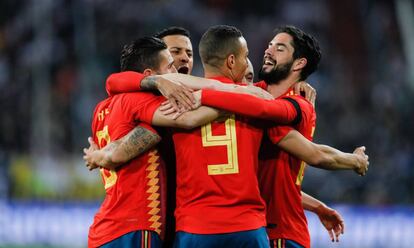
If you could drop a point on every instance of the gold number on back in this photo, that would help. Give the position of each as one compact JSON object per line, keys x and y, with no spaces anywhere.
{"x":229,"y":140}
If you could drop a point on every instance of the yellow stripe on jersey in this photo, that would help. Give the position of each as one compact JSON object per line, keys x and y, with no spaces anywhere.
{"x":153,"y":190}
{"x":279,"y":243}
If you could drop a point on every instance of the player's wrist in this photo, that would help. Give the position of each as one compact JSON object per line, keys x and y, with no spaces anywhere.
{"x":357,"y":162}
{"x":320,"y":209}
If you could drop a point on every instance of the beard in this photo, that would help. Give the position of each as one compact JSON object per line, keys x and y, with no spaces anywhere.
{"x":277,"y":74}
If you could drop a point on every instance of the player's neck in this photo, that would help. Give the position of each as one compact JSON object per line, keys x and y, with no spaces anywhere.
{"x":282,"y":86}
{"x":215,"y":72}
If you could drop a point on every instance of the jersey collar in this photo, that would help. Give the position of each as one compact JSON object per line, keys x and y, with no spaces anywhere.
{"x":223,"y":79}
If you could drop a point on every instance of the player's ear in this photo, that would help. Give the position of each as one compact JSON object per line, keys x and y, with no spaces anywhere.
{"x":147,"y":72}
{"x":299,"y":64}
{"x":231,"y":61}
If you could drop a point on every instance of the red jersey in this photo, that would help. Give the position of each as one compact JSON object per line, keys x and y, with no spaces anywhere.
{"x":280,"y":178}
{"x":280,"y":174}
{"x":217,"y":188}
{"x":134,"y":191}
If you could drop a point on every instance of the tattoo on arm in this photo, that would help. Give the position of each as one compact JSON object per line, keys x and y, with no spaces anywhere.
{"x":149,"y":83}
{"x":136,"y":142}
{"x":111,"y":146}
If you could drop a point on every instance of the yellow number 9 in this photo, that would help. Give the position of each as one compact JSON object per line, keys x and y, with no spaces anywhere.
{"x":229,"y":140}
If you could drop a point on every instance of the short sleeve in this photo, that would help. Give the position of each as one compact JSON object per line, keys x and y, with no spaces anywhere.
{"x":142,"y":105}
{"x":277,"y":133}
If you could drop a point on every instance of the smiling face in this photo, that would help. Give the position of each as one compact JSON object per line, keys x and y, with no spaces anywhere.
{"x":181,"y":49}
{"x":278,"y":59}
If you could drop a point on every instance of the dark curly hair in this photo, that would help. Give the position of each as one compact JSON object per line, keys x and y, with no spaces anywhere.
{"x":306,"y":46}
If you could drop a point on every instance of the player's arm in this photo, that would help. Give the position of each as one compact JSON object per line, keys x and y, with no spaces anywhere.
{"x":330,"y":219}
{"x":131,"y":81}
{"x":197,"y":83}
{"x":324,"y":156}
{"x":140,"y":139}
{"x":118,"y":152}
{"x":186,"y":120}
{"x":281,"y":111}
{"x":123,"y":82}
{"x":174,"y":86}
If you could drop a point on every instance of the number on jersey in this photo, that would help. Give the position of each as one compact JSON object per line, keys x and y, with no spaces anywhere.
{"x":229,"y":140}
{"x":109,"y":176}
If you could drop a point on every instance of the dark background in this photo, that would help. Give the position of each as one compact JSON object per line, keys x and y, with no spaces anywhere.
{"x":55,"y":56}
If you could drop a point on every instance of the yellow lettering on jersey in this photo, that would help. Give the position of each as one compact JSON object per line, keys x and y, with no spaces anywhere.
{"x":102,"y":114}
{"x":103,"y":135}
{"x":301,"y":173}
{"x":229,"y":139}
{"x":109,"y":180}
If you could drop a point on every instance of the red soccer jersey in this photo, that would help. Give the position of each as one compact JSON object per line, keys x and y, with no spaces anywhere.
{"x":217,"y":188}
{"x":134,"y":191}
{"x":280,"y":174}
{"x":280,"y":178}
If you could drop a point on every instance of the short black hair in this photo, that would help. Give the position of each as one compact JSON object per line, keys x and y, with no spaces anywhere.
{"x":306,"y":46}
{"x":141,"y":54}
{"x":172,"y":31}
{"x":217,"y":43}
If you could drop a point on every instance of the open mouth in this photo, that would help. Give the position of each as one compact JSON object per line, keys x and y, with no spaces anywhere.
{"x":183,"y":70}
{"x":269,"y":61}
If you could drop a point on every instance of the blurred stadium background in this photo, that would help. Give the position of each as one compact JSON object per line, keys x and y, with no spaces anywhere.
{"x":56,"y":54}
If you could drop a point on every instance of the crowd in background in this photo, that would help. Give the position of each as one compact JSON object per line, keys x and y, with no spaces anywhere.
{"x":55,"y":56}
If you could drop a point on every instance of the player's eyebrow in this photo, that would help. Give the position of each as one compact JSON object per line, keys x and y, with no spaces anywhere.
{"x":281,"y":44}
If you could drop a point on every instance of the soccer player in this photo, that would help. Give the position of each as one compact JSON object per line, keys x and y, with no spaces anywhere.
{"x":291,"y":56}
{"x":179,"y":44}
{"x":249,"y":74}
{"x":218,"y":200}
{"x":132,"y":213}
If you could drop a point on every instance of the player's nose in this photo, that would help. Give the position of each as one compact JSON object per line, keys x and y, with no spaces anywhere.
{"x":184,"y":58}
{"x":268,"y":52}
